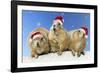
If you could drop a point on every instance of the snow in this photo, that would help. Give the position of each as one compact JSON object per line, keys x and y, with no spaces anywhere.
{"x":53,"y":57}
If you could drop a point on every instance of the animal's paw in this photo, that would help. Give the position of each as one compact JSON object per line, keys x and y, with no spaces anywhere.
{"x":53,"y":50}
{"x":34,"y":56}
{"x":59,"y":53}
{"x":73,"y":53}
{"x":82,"y":53}
{"x":78,"y":55}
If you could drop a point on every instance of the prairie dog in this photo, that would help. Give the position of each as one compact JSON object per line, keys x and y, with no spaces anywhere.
{"x":58,"y":37}
{"x":38,"y":42}
{"x":77,"y":42}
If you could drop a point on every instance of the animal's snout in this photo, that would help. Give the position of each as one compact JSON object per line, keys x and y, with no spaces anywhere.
{"x":38,"y":44}
{"x":54,"y":29}
{"x":79,"y":31}
{"x":54,"y":26}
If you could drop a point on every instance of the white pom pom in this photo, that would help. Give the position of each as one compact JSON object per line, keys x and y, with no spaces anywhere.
{"x":86,"y":36}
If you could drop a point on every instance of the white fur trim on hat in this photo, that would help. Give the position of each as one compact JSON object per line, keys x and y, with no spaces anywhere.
{"x":86,"y":36}
{"x":36,"y":36}
{"x":57,"y":20}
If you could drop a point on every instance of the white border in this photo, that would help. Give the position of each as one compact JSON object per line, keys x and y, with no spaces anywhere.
{"x":56,"y":9}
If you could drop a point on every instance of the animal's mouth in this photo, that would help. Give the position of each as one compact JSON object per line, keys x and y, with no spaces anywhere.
{"x":54,"y":29}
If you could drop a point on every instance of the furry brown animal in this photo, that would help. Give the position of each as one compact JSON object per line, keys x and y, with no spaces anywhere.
{"x":77,"y":42}
{"x":58,"y":39}
{"x":38,"y":42}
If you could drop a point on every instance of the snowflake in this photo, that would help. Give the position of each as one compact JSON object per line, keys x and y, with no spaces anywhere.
{"x":39,"y":24}
{"x":72,"y":25}
{"x":62,"y":14}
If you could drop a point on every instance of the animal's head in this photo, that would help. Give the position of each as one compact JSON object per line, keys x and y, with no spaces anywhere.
{"x":37,"y":40}
{"x":57,"y":23}
{"x":81,"y":33}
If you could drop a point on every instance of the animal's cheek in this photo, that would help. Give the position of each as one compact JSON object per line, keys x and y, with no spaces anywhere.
{"x":39,"y":50}
{"x":34,"y":44}
{"x":80,"y":35}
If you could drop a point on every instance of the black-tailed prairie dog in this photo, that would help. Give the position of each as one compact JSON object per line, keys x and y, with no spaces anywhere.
{"x":57,"y":36}
{"x":38,"y":42}
{"x":77,"y":42}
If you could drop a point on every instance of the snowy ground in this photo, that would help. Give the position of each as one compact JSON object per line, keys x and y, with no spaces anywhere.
{"x":53,"y":58}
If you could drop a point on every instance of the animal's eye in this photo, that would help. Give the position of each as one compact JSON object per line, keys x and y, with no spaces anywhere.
{"x":79,"y":31}
{"x":41,"y":39}
{"x":58,"y":23}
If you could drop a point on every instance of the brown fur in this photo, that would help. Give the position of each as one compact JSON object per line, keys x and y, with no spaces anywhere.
{"x":44,"y":45}
{"x":77,"y":42}
{"x":58,"y":41}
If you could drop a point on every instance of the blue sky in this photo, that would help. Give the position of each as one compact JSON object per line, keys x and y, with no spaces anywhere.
{"x":34,"y":19}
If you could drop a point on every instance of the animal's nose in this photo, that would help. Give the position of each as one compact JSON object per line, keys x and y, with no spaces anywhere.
{"x":54,"y":29}
{"x":79,"y":31}
{"x":38,"y":44}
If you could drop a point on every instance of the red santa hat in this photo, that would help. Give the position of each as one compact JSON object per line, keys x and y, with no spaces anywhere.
{"x":59,"y":19}
{"x":35,"y":35}
{"x":85,"y":30}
